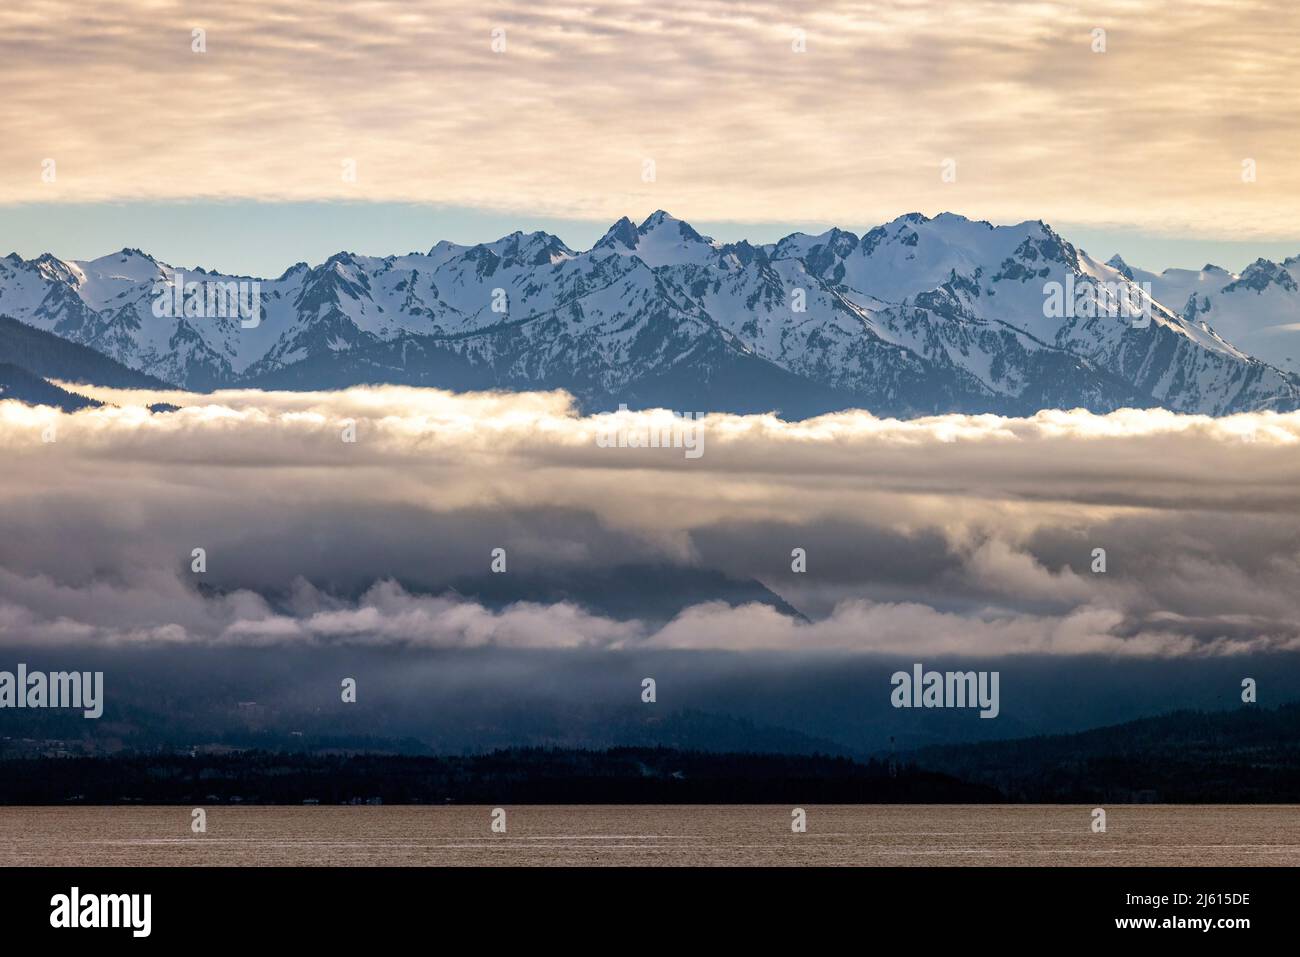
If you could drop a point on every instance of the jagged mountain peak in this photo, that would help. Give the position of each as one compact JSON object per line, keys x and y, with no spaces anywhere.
{"x":1261,"y":274}
{"x":294,"y":270}
{"x":622,"y":234}
{"x":126,"y":263}
{"x":537,"y":248}
{"x":660,"y":219}
{"x":922,"y":314}
{"x":661,"y":240}
{"x":1117,"y":263}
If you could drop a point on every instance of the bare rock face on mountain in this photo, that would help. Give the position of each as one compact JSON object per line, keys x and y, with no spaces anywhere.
{"x":919,"y":316}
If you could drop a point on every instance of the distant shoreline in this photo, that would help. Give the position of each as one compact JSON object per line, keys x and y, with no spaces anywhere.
{"x":1245,"y":756}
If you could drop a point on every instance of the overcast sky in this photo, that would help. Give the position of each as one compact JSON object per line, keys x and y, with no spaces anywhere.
{"x":753,"y":127}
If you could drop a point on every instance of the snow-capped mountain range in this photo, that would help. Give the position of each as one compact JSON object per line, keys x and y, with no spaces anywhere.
{"x":921,"y":315}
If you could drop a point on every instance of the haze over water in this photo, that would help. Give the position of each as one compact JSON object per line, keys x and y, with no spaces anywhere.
{"x":984,"y":835}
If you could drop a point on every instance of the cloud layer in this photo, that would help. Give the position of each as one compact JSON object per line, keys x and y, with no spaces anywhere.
{"x":740,"y":126}
{"x":971,"y":535}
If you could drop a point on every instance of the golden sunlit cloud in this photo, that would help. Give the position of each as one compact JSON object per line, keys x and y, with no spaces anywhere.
{"x":1165,"y":115}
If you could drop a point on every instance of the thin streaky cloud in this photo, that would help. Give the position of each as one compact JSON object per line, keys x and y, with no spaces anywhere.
{"x":1152,"y":133}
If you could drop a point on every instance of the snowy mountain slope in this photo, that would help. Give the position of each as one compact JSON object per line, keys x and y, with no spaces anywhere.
{"x":955,"y":280}
{"x":53,"y":357}
{"x":1258,"y":310}
{"x":917,"y":316}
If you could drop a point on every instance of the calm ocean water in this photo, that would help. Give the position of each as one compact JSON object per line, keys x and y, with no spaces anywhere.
{"x":642,"y":835}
